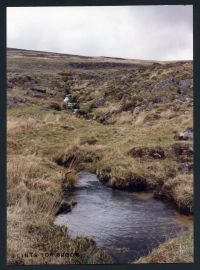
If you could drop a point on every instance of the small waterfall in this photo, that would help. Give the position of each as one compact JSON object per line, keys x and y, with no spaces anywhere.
{"x":70,"y":103}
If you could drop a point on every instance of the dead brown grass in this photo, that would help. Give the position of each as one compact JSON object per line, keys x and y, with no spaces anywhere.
{"x":125,"y":118}
{"x":140,"y":119}
{"x":176,"y":250}
{"x":180,"y":191}
{"x":18,"y":125}
{"x":34,"y":194}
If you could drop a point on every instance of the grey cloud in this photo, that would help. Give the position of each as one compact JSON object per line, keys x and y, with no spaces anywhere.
{"x":144,"y":32}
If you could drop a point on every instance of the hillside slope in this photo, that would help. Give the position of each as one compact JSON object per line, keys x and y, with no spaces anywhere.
{"x":129,"y":121}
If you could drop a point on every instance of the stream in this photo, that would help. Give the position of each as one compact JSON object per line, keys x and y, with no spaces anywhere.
{"x":127,"y":225}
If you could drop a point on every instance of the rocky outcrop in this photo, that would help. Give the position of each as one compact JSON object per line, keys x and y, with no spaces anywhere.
{"x":184,"y":86}
{"x":163,"y":85}
{"x":39,"y":88}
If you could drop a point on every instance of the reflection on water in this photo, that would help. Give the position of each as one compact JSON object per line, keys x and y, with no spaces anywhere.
{"x":127,"y":225}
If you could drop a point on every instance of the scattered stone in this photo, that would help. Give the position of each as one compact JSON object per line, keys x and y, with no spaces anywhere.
{"x":159,"y":99}
{"x":184,"y":86}
{"x":30,"y":78}
{"x":183,"y":136}
{"x":189,"y":100}
{"x":149,"y":106}
{"x":66,"y":99}
{"x":10,"y":85}
{"x":141,"y":78}
{"x":135,"y":84}
{"x":14,"y":101}
{"x":99,"y":103}
{"x":184,"y":167}
{"x":186,"y":135}
{"x":136,"y":111}
{"x":190,"y":129}
{"x":163,"y":85}
{"x":70,"y":103}
{"x":27,"y":85}
{"x":39,"y":89}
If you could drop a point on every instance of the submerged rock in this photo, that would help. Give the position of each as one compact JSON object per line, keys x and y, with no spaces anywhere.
{"x":65,"y":206}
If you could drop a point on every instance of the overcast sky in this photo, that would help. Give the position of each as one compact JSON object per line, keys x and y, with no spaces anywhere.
{"x":136,"y":32}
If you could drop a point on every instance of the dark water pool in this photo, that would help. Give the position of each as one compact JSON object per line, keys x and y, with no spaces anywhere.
{"x":127,"y":225}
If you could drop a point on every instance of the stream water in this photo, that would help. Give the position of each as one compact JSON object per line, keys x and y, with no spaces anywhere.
{"x":125,"y":224}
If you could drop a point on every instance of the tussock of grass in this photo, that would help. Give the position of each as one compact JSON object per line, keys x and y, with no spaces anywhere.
{"x":140,"y":119}
{"x":69,"y":179}
{"x":18,"y":125}
{"x":117,"y":170}
{"x":176,"y":250}
{"x":78,"y":155}
{"x":125,"y":117}
{"x":180,"y":191}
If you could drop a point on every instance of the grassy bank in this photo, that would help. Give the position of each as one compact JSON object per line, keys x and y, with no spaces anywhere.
{"x":176,"y":250}
{"x":36,"y":179}
{"x":35,"y":191}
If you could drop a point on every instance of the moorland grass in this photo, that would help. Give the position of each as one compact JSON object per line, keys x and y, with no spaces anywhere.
{"x":47,"y":144}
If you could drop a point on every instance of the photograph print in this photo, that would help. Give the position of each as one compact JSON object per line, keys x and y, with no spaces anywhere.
{"x":100,"y":135}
